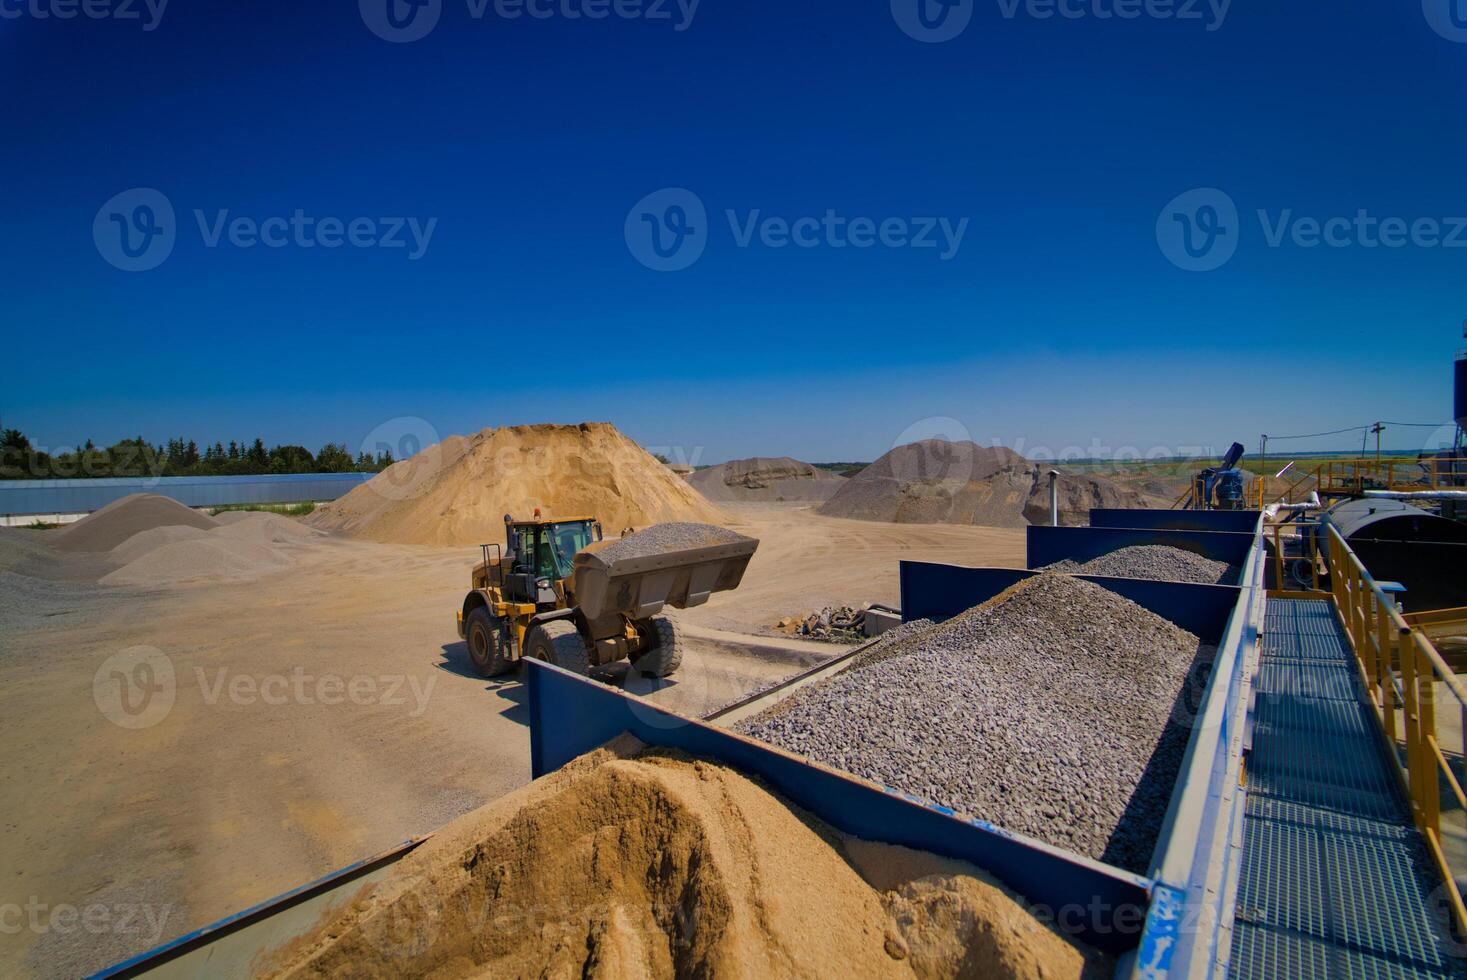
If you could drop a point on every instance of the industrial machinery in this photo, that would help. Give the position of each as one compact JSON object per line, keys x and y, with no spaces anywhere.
{"x":549,"y":595}
{"x":1219,"y":487}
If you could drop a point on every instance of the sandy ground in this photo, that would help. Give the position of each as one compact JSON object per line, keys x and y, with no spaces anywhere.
{"x":317,"y":716}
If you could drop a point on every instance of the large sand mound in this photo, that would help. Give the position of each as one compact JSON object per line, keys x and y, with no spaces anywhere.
{"x":659,"y":865}
{"x":457,"y":492}
{"x":204,"y":559}
{"x":764,"y":478}
{"x":121,"y":519}
{"x":940,"y":482}
{"x":245,"y":546}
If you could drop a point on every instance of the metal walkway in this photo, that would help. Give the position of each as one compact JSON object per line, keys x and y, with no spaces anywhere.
{"x":1335,"y":881}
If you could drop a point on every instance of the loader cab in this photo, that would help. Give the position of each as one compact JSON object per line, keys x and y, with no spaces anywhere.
{"x":539,"y":555}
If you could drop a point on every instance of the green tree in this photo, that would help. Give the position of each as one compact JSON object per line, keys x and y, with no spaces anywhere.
{"x":333,"y":458}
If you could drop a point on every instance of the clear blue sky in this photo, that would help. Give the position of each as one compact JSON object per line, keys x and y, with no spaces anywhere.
{"x":1059,"y":321}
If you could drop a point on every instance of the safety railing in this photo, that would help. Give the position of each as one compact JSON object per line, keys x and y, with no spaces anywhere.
{"x":1403,"y":672}
{"x":1358,"y":475}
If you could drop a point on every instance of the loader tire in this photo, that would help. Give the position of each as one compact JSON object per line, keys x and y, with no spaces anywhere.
{"x":485,"y":639}
{"x":558,"y":642}
{"x":663,"y":659}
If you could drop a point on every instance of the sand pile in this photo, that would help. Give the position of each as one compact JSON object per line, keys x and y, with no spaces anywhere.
{"x":765,"y":479}
{"x":457,"y":493}
{"x":109,"y":527}
{"x":654,"y":864}
{"x":940,"y":482}
{"x":245,"y":546}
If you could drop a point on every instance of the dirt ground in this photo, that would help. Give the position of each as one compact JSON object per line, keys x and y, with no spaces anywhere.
{"x":175,"y":756}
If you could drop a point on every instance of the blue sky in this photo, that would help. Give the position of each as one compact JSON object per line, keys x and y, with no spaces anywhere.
{"x":526,"y":143}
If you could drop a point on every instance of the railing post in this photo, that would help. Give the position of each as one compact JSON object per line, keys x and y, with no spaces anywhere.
{"x":1387,"y":680}
{"x":1430,"y":788}
{"x":1410,"y":722}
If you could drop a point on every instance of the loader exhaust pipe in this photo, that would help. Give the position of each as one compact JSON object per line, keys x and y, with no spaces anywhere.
{"x":1054,"y":498}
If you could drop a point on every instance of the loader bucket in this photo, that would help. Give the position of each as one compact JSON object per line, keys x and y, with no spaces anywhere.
{"x":639,"y":587}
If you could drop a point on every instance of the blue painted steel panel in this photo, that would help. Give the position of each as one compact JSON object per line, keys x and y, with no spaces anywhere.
{"x":1176,"y":520}
{"x":1047,"y":545}
{"x":1104,"y":906}
{"x":21,"y":497}
{"x":934,"y":591}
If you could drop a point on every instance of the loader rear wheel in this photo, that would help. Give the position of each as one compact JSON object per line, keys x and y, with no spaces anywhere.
{"x":663,"y":659}
{"x":485,"y":638}
{"x":558,"y":642}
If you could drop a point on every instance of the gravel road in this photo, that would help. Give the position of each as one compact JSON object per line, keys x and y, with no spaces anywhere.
{"x":1060,"y":711}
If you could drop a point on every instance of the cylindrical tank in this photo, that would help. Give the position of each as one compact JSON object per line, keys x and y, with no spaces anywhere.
{"x":1398,"y":542}
{"x":1459,"y":391}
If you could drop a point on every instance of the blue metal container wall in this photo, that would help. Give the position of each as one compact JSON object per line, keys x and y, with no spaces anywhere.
{"x":22,"y":497}
{"x":935,"y":591}
{"x":1047,"y":545}
{"x":1175,"y":520}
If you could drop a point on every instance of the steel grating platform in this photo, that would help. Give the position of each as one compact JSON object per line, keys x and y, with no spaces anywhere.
{"x":1334,"y":879}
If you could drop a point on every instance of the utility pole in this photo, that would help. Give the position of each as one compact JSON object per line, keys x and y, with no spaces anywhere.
{"x":1263,"y":452}
{"x":1377,"y":429}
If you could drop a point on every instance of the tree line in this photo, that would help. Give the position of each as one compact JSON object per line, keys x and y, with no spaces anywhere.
{"x":20,"y":460}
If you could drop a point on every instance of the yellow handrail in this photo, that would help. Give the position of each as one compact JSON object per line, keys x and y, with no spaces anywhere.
{"x":1402,"y":670}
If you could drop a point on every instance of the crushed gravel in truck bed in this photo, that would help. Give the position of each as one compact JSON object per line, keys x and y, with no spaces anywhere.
{"x":1153,"y":561}
{"x":1057,"y":709}
{"x":662,"y":538}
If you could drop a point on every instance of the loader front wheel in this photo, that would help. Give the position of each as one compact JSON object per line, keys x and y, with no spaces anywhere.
{"x":558,"y":642}
{"x":485,"y":639}
{"x":663,"y":659}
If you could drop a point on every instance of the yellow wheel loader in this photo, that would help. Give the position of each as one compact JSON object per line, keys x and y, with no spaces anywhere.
{"x":547,"y":594}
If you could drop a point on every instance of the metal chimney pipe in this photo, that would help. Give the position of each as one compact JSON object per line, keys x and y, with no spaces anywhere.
{"x":1054,"y":498}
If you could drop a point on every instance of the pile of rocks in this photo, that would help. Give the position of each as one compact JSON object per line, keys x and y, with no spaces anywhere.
{"x":839,"y":624}
{"x":1059,"y":710}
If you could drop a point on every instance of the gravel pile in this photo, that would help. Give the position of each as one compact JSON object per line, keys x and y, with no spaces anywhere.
{"x":662,"y":538}
{"x":1154,"y":561}
{"x":1058,"y":709}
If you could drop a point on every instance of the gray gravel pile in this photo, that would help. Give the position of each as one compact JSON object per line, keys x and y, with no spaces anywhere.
{"x":1154,"y":561}
{"x":662,"y":538}
{"x":1059,"y":710}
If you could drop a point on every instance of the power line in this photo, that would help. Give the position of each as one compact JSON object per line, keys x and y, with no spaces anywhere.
{"x":1358,"y":428}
